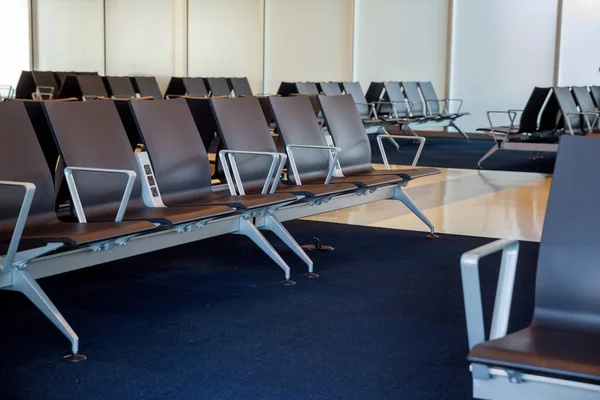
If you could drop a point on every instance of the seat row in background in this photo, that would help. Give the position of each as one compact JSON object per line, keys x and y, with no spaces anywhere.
{"x":121,"y":201}
{"x":549,"y":113}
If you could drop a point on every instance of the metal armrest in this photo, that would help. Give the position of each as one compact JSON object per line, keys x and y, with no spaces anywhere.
{"x":394,"y":137}
{"x":469,"y":263}
{"x":512,"y":115}
{"x":441,"y":106}
{"x":460,"y":103}
{"x":272,"y":179}
{"x":131,"y":175}
{"x":20,"y":224}
{"x":334,"y":153}
{"x":595,"y":114}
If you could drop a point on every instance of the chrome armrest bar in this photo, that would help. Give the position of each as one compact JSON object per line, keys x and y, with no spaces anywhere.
{"x":469,"y":263}
{"x":402,"y":137}
{"x":587,"y":122}
{"x":19,"y":225}
{"x":512,"y":115}
{"x":460,"y":103}
{"x":441,"y":106}
{"x":230,"y":166}
{"x":334,"y":153}
{"x":131,"y":175}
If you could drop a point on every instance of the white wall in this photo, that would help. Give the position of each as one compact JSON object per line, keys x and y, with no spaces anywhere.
{"x":579,"y":56}
{"x":308,"y":40}
{"x":501,"y":49}
{"x":137,"y":32}
{"x":226,"y":39}
{"x":14,"y":40}
{"x":411,"y":46}
{"x":68,"y":35}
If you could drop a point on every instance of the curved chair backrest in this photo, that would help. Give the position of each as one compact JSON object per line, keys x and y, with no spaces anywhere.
{"x":147,"y":86}
{"x":91,"y":134}
{"x":218,"y":86}
{"x":21,"y":159}
{"x":346,"y":128}
{"x":430,"y":97}
{"x":393,"y":94}
{"x":567,"y":295}
{"x":529,"y":117}
{"x":81,"y":86}
{"x":242,"y":126}
{"x":354,"y":89}
{"x":120,"y":86}
{"x":412,"y":94}
{"x":241,"y":87}
{"x":297,"y":125}
{"x":202,"y":114}
{"x":178,"y":156}
{"x":595,"y":91}
{"x":567,"y":105}
{"x":307,"y":88}
{"x":195,"y":87}
{"x":330,"y":88}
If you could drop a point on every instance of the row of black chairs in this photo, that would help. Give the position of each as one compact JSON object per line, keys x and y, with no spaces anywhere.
{"x":163,"y":196}
{"x":549,"y":113}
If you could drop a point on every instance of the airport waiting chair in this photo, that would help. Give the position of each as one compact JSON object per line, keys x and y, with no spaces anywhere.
{"x":182,"y":172}
{"x":575,"y":121}
{"x":330,"y":88}
{"x":345,"y":126}
{"x":310,"y":159}
{"x":119,"y":86}
{"x":6,"y":92}
{"x":240,"y":86}
{"x":38,"y":85}
{"x":528,"y":134}
{"x":146,"y":86}
{"x":186,"y":87}
{"x":558,"y":355}
{"x":83,"y":87}
{"x":290,"y":88}
{"x":595,"y":91}
{"x":218,"y":86}
{"x":586,"y":105}
{"x":441,"y":108}
{"x":204,"y":120}
{"x":28,"y":219}
{"x":242,"y":128}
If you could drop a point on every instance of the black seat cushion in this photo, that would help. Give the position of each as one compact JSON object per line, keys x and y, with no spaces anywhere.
{"x":561,"y":353}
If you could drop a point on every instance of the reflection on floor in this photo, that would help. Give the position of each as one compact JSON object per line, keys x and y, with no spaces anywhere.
{"x":496,"y":204}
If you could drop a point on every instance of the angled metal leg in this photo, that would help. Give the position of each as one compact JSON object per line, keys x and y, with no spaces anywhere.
{"x":272,"y":224}
{"x":385,"y":132}
{"x":452,"y":124}
{"x":400,"y":194}
{"x":25,"y":284}
{"x":488,"y":154}
{"x":406,"y":128}
{"x":248,"y":229}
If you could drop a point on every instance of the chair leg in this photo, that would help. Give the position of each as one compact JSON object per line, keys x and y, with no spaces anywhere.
{"x":488,"y":155}
{"x":24,"y":283}
{"x":272,"y":224}
{"x":400,"y":194}
{"x":248,"y":229}
{"x":453,"y":124}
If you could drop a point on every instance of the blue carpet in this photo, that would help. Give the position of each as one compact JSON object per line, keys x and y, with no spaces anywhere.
{"x":456,"y":153}
{"x":208,"y":321}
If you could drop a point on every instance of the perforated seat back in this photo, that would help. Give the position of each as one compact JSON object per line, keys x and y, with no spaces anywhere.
{"x":567,"y":295}
{"x":412,"y":94}
{"x":297,"y":125}
{"x":21,"y":159}
{"x":529,"y":116}
{"x":178,"y":156}
{"x":146,"y":86}
{"x":241,"y":87}
{"x":90,"y":134}
{"x":348,"y":132}
{"x":218,"y":86}
{"x":330,"y":88}
{"x":393,"y":94}
{"x":431,"y":98}
{"x":242,"y":126}
{"x":567,"y":105}
{"x":354,"y":89}
{"x":585,"y":103}
{"x":120,"y":86}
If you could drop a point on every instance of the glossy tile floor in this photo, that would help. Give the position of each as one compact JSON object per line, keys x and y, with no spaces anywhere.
{"x":496,"y":204}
